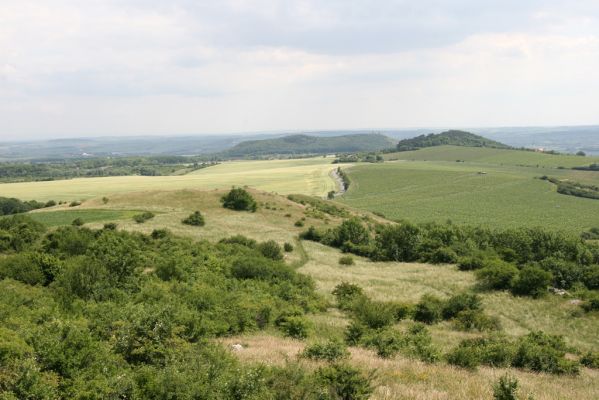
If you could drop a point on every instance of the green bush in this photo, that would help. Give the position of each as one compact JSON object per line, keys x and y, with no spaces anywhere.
{"x":590,"y":360}
{"x":241,"y":240}
{"x":332,"y":350}
{"x":354,"y":333}
{"x":464,"y":357}
{"x":540,"y":352}
{"x":240,"y":200}
{"x":295,"y":327}
{"x":506,"y":388}
{"x":461,"y":302}
{"x":471,"y":263}
{"x":345,"y":382}
{"x":444,"y":255}
{"x":497,"y":275}
{"x":532,"y":281}
{"x":288,"y":247}
{"x":271,"y":249}
{"x":143,"y":217}
{"x":346,"y":260}
{"x":347,"y":294}
{"x":299,"y":223}
{"x":195,"y":219}
{"x":591,"y":303}
{"x":386,"y":342}
{"x":77,"y":222}
{"x":429,"y":310}
{"x":373,"y":314}
{"x":469,"y":320}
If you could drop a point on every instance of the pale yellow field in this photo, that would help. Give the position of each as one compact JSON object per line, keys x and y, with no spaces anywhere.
{"x":306,"y":176}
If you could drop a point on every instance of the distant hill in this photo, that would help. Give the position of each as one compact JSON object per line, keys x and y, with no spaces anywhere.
{"x":453,"y":138}
{"x":305,"y":144}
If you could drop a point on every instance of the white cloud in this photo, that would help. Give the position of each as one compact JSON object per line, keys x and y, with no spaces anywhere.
{"x":73,"y":68}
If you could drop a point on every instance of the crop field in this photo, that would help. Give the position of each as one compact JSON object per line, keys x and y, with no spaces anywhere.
{"x":307,"y":176}
{"x":471,"y":193}
{"x":493,"y":156}
{"x":66,"y":217}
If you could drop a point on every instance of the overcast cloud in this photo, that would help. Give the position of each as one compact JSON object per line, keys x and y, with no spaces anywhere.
{"x":130,"y":67}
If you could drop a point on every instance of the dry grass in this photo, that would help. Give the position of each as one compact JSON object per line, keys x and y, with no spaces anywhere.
{"x":404,"y":378}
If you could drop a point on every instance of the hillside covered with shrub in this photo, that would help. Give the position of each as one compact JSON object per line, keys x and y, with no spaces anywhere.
{"x":305,"y":144}
{"x":452,"y":137}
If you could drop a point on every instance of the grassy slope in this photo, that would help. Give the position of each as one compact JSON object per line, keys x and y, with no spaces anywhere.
{"x":400,"y":377}
{"x":506,"y":196}
{"x":492,"y":156}
{"x":308,"y":176}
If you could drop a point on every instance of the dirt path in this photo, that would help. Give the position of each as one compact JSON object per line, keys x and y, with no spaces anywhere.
{"x":340,"y":184}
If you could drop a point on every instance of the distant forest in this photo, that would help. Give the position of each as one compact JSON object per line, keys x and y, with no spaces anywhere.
{"x":453,"y":138}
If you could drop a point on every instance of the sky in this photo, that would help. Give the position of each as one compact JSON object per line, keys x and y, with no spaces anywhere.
{"x":75,"y":68}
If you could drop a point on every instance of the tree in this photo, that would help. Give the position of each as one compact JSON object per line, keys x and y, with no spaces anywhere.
{"x":240,"y":200}
{"x":581,"y":153}
{"x":532,"y":281}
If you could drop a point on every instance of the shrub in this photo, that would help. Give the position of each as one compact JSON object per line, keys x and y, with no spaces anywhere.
{"x":288,"y":247}
{"x":299,"y":223}
{"x":105,"y":200}
{"x":540,"y":352}
{"x":351,"y":231}
{"x":311,"y":234}
{"x":464,"y":357}
{"x":345,"y":382}
{"x":471,"y":263}
{"x":241,"y":240}
{"x":332,"y":350}
{"x":295,"y":327}
{"x":160,"y":234}
{"x":386,"y":342}
{"x":429,"y":309}
{"x":354,"y":333}
{"x":461,"y":302}
{"x":259,"y":268}
{"x":346,"y":294}
{"x":592,"y":303}
{"x":373,"y":314}
{"x":271,"y":249}
{"x":143,"y":217}
{"x":74,"y":203}
{"x":77,"y":222}
{"x":346,"y":260}
{"x":195,"y":219}
{"x":110,"y":226}
{"x":401,"y":310}
{"x":497,"y":275}
{"x":444,"y":255}
{"x":50,"y":203}
{"x":240,"y":200}
{"x":469,"y":320}
{"x":590,"y":360}
{"x":506,"y":388}
{"x":532,"y":281}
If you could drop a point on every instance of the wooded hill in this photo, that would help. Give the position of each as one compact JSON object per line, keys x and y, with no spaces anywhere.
{"x":305,"y":144}
{"x":453,"y":137}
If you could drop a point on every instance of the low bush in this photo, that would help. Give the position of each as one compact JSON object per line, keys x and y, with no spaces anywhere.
{"x":271,"y":249}
{"x":288,"y":247}
{"x":429,"y":310}
{"x":591,"y":303}
{"x":531,"y":281}
{"x":346,"y":295}
{"x":471,"y":263}
{"x":494,"y":351}
{"x":299,"y":223}
{"x":74,"y":203}
{"x":469,"y":320}
{"x":241,"y":240}
{"x":295,"y":327}
{"x":506,"y":388}
{"x":354,"y":333}
{"x":77,"y":222}
{"x":590,"y":360}
{"x":346,"y":382}
{"x":346,"y":260}
{"x":444,"y":255}
{"x":240,"y":200}
{"x":464,"y":357}
{"x":195,"y":219}
{"x":373,"y":314}
{"x":540,"y":352}
{"x":332,"y":350}
{"x":497,"y":275}
{"x":143,"y":217}
{"x":461,"y":302}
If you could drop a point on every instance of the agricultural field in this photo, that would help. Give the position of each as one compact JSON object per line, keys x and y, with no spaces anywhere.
{"x":493,"y":156}
{"x":307,"y":176}
{"x":472,"y":193}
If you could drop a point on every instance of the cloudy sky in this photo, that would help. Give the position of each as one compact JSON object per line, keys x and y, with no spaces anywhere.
{"x":131,"y":67}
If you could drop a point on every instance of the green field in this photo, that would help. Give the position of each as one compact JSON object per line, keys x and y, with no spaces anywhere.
{"x":493,"y":156}
{"x":66,"y":217}
{"x":471,"y":193}
{"x":306,"y":176}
